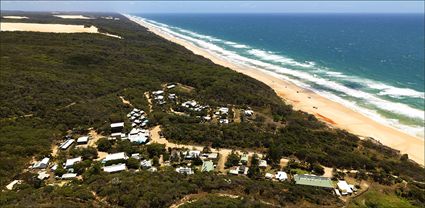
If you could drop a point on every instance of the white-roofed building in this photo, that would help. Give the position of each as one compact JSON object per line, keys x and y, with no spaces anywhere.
{"x":42,"y":164}
{"x":146,"y":163}
{"x":281,"y":176}
{"x":117,"y":125}
{"x":171,"y":86}
{"x":223,"y":110}
{"x":83,"y":140}
{"x":248,"y":112}
{"x":158,"y":92}
{"x":192,"y":154}
{"x":67,"y":144}
{"x":115,"y":156}
{"x":140,"y":136}
{"x":12,"y":184}
{"x":344,"y":187}
{"x":43,"y":175}
{"x":70,"y":162}
{"x":69,"y":176}
{"x":262,"y":164}
{"x":115,"y":168}
{"x":184,"y":170}
{"x":268,"y":176}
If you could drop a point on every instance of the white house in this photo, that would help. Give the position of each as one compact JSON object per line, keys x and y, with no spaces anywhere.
{"x":69,"y":175}
{"x":43,"y":175}
{"x":140,"y":136}
{"x":223,"y":110}
{"x":115,"y":156}
{"x":70,"y":162}
{"x":248,"y":112}
{"x":192,"y":154}
{"x":184,"y":170}
{"x":146,"y":163}
{"x":171,"y":86}
{"x":42,"y":164}
{"x":115,"y":168}
{"x":281,"y":176}
{"x":117,"y":125}
{"x":344,"y":188}
{"x":83,"y":140}
{"x":262,"y":164}
{"x":12,"y":184}
{"x":269,"y":176}
{"x":158,"y":92}
{"x":66,"y":144}
{"x":234,"y":170}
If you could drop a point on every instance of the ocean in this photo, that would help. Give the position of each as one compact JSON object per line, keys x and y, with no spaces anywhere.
{"x":371,"y":63}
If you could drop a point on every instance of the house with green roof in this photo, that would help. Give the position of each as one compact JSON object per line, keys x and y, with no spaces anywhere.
{"x":207,"y":166}
{"x":312,"y":180}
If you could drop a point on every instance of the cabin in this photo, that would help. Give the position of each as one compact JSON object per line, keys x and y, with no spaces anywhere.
{"x":67,"y":176}
{"x":135,"y":156}
{"x":248,"y":112}
{"x":344,"y":188}
{"x":117,"y":127}
{"x":207,"y":166}
{"x":213,"y":155}
{"x":70,"y":162}
{"x":192,"y":154}
{"x":66,"y":144}
{"x":83,"y":140}
{"x":140,"y":136}
{"x":262,"y":164}
{"x":171,"y":86}
{"x":146,"y":164}
{"x":41,"y":164}
{"x":115,"y":156}
{"x":115,"y":168}
{"x":158,"y":92}
{"x":269,"y":176}
{"x":43,"y":175}
{"x":244,"y":158}
{"x":234,"y":170}
{"x":281,"y":176}
{"x":223,"y":110}
{"x":184,"y":170}
{"x":312,"y":180}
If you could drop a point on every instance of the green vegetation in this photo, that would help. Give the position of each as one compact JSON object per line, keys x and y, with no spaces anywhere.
{"x":376,"y":198}
{"x":55,"y":83}
{"x":223,"y":202}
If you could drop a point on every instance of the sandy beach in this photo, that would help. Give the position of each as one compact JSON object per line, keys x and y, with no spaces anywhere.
{"x":324,"y":109}
{"x":66,"y":16}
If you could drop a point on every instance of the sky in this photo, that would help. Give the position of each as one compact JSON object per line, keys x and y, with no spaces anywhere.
{"x":220,"y":6}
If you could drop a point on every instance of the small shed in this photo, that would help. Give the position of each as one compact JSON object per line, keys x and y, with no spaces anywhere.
{"x":207,"y":166}
{"x":83,"y":140}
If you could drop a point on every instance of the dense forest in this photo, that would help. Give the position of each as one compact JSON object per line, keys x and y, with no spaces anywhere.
{"x":53,"y":83}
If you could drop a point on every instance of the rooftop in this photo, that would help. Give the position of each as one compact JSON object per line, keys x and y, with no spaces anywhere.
{"x":312,"y":180}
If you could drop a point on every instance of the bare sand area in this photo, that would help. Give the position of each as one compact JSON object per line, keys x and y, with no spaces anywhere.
{"x":53,"y":28}
{"x":68,"y":16}
{"x":15,"y":17}
{"x":331,"y":112}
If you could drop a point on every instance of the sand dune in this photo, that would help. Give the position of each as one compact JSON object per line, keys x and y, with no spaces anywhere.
{"x":67,"y":16}
{"x":15,"y":17}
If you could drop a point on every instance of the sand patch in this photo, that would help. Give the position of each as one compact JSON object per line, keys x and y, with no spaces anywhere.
{"x":53,"y":28}
{"x":15,"y":17}
{"x":66,"y":16}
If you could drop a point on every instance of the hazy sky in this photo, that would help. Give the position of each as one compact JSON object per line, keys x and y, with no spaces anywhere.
{"x":220,"y":6}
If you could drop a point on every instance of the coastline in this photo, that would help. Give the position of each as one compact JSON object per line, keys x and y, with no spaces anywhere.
{"x":324,"y":109}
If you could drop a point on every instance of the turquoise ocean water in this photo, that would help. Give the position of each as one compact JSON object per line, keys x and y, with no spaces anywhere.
{"x":371,"y":63}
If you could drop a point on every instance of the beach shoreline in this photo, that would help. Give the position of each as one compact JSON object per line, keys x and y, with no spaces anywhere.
{"x":331,"y":112}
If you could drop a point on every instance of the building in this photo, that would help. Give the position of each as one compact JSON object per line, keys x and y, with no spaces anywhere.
{"x":68,"y":176}
{"x":146,"y":164}
{"x":224,"y":121}
{"x":281,"y":176}
{"x":243,"y":169}
{"x":115,"y":156}
{"x":248,"y":112}
{"x":43,"y":175}
{"x":117,"y":127}
{"x":213,"y":155}
{"x":344,"y":188}
{"x":83,"y":140}
{"x":12,"y":184}
{"x":158,"y":92}
{"x":66,"y":144}
{"x":269,"y":176}
{"x":135,"y":156}
{"x":184,"y":170}
{"x":140,"y":136}
{"x":207,"y":166}
{"x":262,"y":164}
{"x":244,"y":158}
{"x":70,"y":162}
{"x":223,"y":110}
{"x":192,"y":154}
{"x":234,"y":170}
{"x":42,"y":164}
{"x":171,"y":86}
{"x":312,"y":180}
{"x":115,"y":168}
